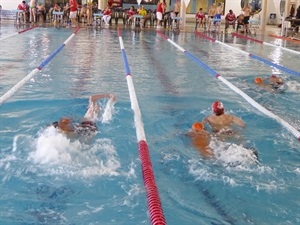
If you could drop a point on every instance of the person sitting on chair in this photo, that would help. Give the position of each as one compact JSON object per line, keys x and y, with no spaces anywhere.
{"x":200,"y":19}
{"x":230,"y":19}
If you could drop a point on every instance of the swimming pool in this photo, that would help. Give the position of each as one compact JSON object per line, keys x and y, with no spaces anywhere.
{"x":49,"y":179}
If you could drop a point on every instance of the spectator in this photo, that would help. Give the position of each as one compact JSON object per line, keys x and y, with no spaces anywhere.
{"x":32,"y":11}
{"x":22,"y":6}
{"x":41,"y":11}
{"x":246,"y":11}
{"x":83,"y":13}
{"x":73,"y":5}
{"x":130,"y":14}
{"x":160,"y":9}
{"x":89,"y":13}
{"x":230,"y":19}
{"x":211,"y":14}
{"x":176,"y":9}
{"x":143,"y":12}
{"x":200,"y":18}
{"x":107,"y":15}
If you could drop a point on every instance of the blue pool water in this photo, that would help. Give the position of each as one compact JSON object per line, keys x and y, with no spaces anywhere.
{"x":47,"y":178}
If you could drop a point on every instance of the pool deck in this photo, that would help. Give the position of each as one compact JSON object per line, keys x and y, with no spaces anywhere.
{"x":270,"y":30}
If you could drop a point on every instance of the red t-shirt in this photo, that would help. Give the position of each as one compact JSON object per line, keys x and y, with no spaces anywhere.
{"x":230,"y":17}
{"x":131,"y":13}
{"x":73,"y":5}
{"x":200,"y":15}
{"x":107,"y":12}
{"x":22,"y":7}
{"x":160,"y":8}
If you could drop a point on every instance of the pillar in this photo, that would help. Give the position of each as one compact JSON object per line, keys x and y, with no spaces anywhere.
{"x":102,"y":4}
{"x":183,"y":12}
{"x":263,"y":20}
{"x":287,"y":8}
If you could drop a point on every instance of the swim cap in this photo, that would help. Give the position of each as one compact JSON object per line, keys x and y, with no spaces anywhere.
{"x":258,"y":80}
{"x":273,"y":76}
{"x":197,"y":126}
{"x":217,"y":108}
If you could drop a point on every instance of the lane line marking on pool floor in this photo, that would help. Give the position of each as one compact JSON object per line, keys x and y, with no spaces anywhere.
{"x":153,"y":199}
{"x":252,"y":102}
{"x":21,"y":83}
{"x":264,"y":43}
{"x":265,"y":61}
{"x":19,"y":32}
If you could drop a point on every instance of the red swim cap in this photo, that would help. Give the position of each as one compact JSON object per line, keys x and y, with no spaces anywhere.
{"x":197,"y":126}
{"x":217,"y":108}
{"x":274,"y":76}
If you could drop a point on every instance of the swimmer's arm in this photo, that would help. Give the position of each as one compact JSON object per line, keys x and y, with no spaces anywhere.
{"x":205,"y":120}
{"x":238,"y":121}
{"x":94,"y":98}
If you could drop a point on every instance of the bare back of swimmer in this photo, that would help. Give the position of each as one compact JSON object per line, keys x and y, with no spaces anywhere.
{"x":221,"y":122}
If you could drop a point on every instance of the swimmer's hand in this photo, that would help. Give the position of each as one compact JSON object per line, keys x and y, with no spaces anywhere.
{"x":112,"y":97}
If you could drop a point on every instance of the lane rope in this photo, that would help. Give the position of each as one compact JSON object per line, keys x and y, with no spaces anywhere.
{"x":265,"y":43}
{"x":297,"y":41}
{"x":153,"y":199}
{"x":265,"y":61}
{"x":21,"y":83}
{"x":252,"y":102}
{"x":19,"y":32}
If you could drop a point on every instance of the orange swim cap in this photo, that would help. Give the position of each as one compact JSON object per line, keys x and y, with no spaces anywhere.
{"x":197,"y":126}
{"x":258,"y":80}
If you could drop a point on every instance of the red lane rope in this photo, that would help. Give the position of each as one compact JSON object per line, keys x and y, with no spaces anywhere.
{"x":246,"y":37}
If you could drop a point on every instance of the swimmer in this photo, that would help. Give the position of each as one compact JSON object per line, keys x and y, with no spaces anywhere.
{"x":220,"y":122}
{"x":88,"y":125}
{"x":272,"y":84}
{"x":201,"y":139}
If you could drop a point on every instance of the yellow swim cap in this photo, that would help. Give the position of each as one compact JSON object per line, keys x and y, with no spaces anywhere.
{"x":197,"y":126}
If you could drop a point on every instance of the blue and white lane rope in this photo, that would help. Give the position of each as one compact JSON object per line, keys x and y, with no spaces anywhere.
{"x":255,"y":104}
{"x":19,"y":32}
{"x":21,"y":83}
{"x":265,"y":43}
{"x":153,"y":199}
{"x":282,"y":68}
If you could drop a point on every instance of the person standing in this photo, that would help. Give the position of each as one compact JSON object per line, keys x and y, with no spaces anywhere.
{"x":73,"y":5}
{"x":177,"y":7}
{"x":246,"y":11}
{"x":159,"y":13}
{"x":211,"y":14}
{"x":32,"y":11}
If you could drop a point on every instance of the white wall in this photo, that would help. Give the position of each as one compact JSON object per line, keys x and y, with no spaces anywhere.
{"x":10,"y":4}
{"x":235,"y":5}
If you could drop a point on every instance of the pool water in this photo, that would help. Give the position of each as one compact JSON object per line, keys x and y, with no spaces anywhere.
{"x":47,"y":178}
